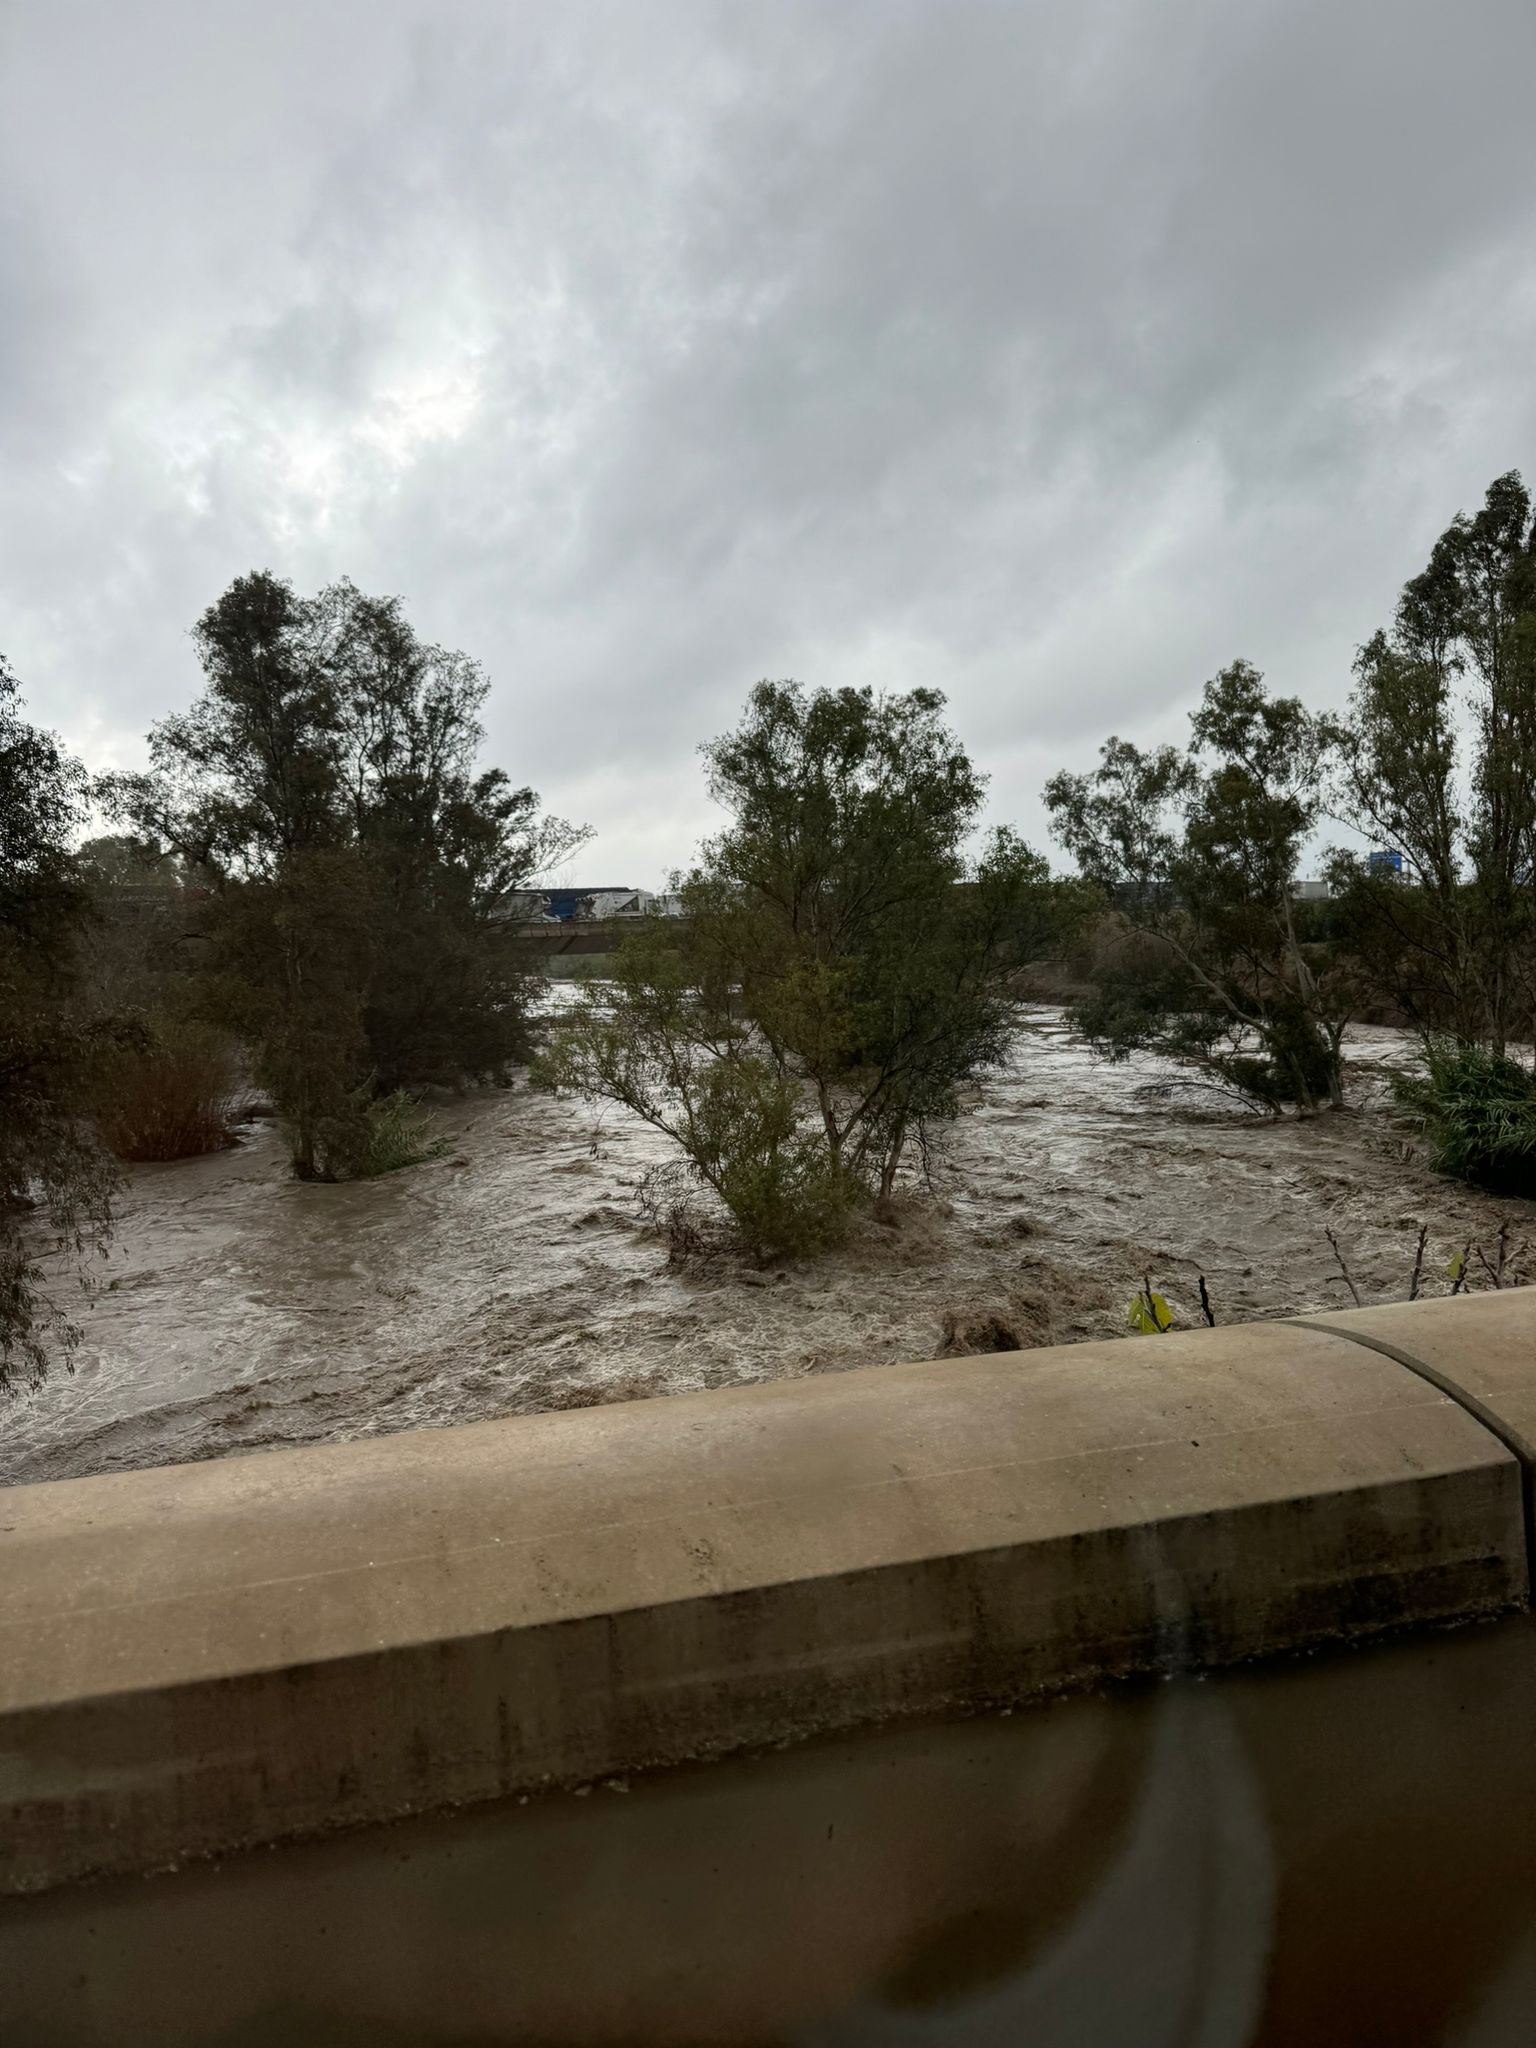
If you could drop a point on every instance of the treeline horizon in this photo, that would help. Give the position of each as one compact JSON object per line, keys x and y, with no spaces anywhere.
{"x":851,"y":956}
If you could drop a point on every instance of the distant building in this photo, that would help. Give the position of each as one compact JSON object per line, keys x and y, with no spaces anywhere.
{"x":1311,"y":892}
{"x":572,"y":905}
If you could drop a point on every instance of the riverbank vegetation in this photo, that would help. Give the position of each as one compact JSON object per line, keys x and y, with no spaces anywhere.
{"x":1198,"y":851}
{"x":353,"y":864}
{"x":842,"y":971}
{"x":56,"y":1179}
{"x":1210,"y":953}
{"x":310,"y":896}
{"x":306,"y":901}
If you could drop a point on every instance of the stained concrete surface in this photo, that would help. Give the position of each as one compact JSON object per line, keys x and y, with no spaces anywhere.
{"x":1495,"y":1377}
{"x":196,"y":1659}
{"x":1336,"y":1850}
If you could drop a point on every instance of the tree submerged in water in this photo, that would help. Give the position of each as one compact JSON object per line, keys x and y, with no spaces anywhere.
{"x":359,"y":867}
{"x":843,"y":968}
{"x":1197,"y":853}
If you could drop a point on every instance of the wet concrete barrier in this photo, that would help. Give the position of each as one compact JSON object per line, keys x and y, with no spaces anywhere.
{"x":200,"y":1658}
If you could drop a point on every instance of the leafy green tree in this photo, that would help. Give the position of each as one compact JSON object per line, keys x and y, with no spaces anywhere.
{"x":56,"y":1183}
{"x":324,"y":786}
{"x":290,"y":958}
{"x":664,"y":1038}
{"x":842,"y":969}
{"x":1437,"y":761}
{"x":1197,"y":851}
{"x":873,"y":956}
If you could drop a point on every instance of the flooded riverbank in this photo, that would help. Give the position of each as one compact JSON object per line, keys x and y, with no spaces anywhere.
{"x":243,"y":1310}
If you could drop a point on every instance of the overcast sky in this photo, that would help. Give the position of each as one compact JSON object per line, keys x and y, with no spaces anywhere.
{"x":1046,"y":351}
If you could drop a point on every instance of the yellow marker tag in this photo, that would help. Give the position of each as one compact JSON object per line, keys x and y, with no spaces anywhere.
{"x":1454,"y":1269}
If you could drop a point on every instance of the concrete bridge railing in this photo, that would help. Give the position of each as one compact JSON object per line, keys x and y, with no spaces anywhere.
{"x":200,"y":1658}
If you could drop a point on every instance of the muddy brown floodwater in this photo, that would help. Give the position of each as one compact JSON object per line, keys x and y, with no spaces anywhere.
{"x":243,"y":1310}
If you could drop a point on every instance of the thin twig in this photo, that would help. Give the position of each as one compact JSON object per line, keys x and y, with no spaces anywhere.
{"x":1482,"y":1259}
{"x":1461,"y":1271}
{"x":1205,"y":1305}
{"x":1348,"y":1277}
{"x":1418,"y":1263}
{"x":1498,"y":1278}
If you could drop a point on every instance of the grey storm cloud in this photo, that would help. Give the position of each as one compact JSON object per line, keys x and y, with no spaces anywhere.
{"x":1049,"y":354}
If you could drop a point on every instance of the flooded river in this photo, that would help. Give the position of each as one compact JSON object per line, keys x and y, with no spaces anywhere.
{"x":242,"y":1310}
